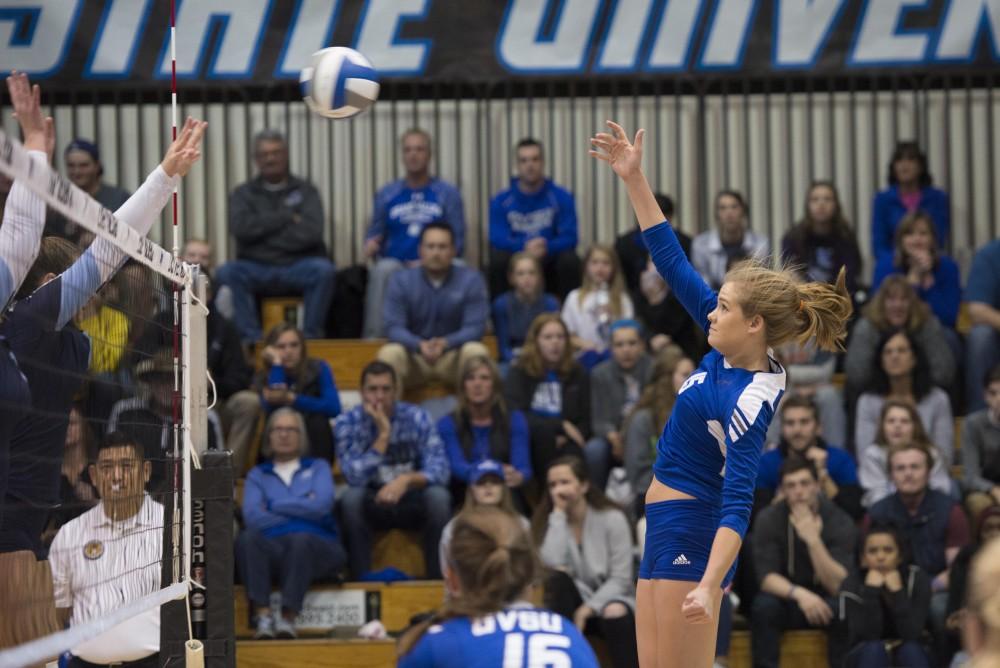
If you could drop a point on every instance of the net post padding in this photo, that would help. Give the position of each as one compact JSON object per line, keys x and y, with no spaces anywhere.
{"x":211,"y":566}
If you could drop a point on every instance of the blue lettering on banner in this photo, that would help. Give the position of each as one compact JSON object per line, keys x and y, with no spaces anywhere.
{"x":35,"y":34}
{"x":222,"y":39}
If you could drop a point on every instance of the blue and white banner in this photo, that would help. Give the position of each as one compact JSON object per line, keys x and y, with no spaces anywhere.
{"x":85,"y":42}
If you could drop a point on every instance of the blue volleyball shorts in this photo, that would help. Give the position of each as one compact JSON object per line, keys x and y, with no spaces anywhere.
{"x":679,"y":535}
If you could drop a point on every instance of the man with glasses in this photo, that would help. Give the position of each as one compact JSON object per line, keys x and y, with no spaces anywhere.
{"x":277,"y":220}
{"x":111,"y":556}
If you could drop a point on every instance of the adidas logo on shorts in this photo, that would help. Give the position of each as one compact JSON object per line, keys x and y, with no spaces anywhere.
{"x":681,"y":561}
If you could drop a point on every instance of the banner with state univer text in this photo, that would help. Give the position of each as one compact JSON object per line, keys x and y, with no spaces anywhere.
{"x":260,"y":42}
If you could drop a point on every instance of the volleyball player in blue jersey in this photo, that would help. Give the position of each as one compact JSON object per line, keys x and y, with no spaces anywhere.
{"x":698,"y":504}
{"x":485,"y":622}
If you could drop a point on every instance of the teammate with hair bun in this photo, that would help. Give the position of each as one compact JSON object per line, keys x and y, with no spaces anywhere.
{"x":698,"y":504}
{"x":485,"y":622}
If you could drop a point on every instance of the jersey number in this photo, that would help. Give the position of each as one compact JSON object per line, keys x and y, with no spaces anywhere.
{"x":545,"y":650}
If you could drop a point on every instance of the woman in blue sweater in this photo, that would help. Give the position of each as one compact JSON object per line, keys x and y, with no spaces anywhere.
{"x":482,"y":427}
{"x":698,"y":504}
{"x":917,"y":255}
{"x":514,"y":310}
{"x":909,"y":190}
{"x":290,"y":528}
{"x":291,"y":378}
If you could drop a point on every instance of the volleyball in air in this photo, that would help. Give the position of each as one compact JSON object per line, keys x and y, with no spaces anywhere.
{"x":339,"y":83}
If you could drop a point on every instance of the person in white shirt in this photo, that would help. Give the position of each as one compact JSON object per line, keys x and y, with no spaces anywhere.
{"x":111,"y":556}
{"x":713,"y":252}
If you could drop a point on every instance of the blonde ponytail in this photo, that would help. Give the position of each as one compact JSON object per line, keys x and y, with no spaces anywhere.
{"x":495,"y":562}
{"x":792,"y":310}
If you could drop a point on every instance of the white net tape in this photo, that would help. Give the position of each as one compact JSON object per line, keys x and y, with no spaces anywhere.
{"x":62,"y":195}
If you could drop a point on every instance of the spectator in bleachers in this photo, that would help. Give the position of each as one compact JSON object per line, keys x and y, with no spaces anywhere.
{"x":715,"y":251}
{"x":487,"y":487}
{"x":909,"y":190}
{"x":810,"y":373}
{"x":399,"y":213}
{"x":823,"y":241}
{"x":885,"y":605}
{"x":642,"y":430}
{"x":290,"y":377}
{"x":656,"y":305}
{"x":538,"y":217}
{"x":394,"y":461}
{"x":933,"y":275}
{"x":553,"y":392}
{"x":599,"y":301}
{"x":801,"y":429}
{"x":435,"y":314}
{"x":902,"y":373}
{"x":514,"y":310}
{"x":896,"y":306}
{"x":110,"y":557}
{"x":290,"y":529}
{"x":982,"y":344}
{"x":615,"y":387}
{"x":933,"y":523}
{"x":981,"y":449}
{"x":200,"y":252}
{"x":84,"y":169}
{"x":802,"y":552}
{"x":277,"y":220}
{"x":987,"y":524}
{"x":148,"y":418}
{"x":585,"y":541}
{"x":483,"y":428}
{"x":981,"y":625}
{"x":77,"y":492}
{"x":899,"y":424}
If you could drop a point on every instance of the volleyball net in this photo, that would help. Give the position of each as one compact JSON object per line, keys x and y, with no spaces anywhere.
{"x":107,"y":336}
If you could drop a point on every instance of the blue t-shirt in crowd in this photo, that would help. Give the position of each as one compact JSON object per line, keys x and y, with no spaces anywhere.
{"x":519,"y":637}
{"x":984,"y":276}
{"x":839,"y":465}
{"x":943,"y":297}
{"x":462,"y":466}
{"x":512,"y":318}
{"x":516,"y":217}
{"x":401,"y":212}
{"x":888,"y":209}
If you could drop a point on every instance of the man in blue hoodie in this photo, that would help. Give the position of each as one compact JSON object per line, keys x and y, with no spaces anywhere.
{"x":400,"y":212}
{"x":537,"y":216}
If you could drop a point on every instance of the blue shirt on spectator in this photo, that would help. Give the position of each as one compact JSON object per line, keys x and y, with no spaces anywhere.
{"x":414,"y":445}
{"x":400,"y":213}
{"x":416,"y":310}
{"x":943,"y":297}
{"x":328,"y":401}
{"x":516,"y":217}
{"x":304,"y":506}
{"x":839,"y":465}
{"x":462,"y":466}
{"x":512,"y":318}
{"x":888,"y":209}
{"x":984,"y":276}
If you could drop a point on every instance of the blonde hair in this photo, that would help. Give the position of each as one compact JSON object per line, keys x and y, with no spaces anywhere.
{"x":984,"y":601}
{"x":658,"y":396}
{"x":918,"y":311}
{"x":793,"y":310}
{"x":495,"y":562}
{"x":616,"y":286}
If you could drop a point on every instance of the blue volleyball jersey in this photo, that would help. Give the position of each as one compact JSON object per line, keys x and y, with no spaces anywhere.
{"x":711,"y":445}
{"x":520,"y":636}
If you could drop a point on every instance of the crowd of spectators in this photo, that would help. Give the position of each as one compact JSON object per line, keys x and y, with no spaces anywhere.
{"x":860,"y":526}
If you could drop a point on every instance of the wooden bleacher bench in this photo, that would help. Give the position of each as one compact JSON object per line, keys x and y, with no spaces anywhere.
{"x":399,"y":602}
{"x":314,"y":653}
{"x":347,"y":357}
{"x":276,"y":310}
{"x":799,"y":649}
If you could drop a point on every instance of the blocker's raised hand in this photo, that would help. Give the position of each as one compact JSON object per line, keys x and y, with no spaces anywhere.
{"x":625,"y":157}
{"x":186,"y":149}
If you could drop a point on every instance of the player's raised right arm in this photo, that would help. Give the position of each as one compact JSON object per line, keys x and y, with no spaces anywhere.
{"x":625,"y":158}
